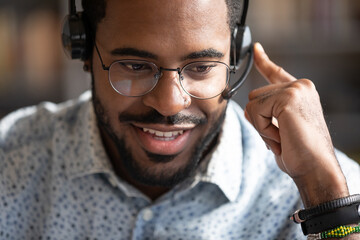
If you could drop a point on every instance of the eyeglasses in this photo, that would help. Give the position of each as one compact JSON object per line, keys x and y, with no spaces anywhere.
{"x":135,"y":78}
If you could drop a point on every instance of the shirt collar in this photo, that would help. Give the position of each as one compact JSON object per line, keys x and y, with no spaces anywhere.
{"x":225,"y":164}
{"x":88,"y":155}
{"x":85,"y":154}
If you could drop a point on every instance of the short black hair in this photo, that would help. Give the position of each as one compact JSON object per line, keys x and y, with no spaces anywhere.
{"x":94,"y":12}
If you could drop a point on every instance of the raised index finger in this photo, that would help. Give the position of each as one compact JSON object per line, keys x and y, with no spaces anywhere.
{"x":270,"y":71}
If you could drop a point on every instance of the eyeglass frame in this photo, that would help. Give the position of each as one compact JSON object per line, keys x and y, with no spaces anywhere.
{"x":231,"y":70}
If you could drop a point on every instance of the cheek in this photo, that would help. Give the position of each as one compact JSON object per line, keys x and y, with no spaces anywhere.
{"x":112,"y":102}
{"x":212,"y":108}
{"x":102,"y":86}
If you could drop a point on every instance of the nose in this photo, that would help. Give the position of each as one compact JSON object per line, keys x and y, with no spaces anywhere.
{"x":168,"y":97}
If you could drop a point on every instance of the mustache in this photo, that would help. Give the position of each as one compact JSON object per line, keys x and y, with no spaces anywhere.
{"x":154,"y":117}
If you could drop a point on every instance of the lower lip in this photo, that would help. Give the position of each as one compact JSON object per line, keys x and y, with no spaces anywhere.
{"x":154,"y":145}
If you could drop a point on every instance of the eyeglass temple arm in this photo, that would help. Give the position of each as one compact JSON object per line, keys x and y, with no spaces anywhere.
{"x":235,"y":87}
{"x":102,"y":63}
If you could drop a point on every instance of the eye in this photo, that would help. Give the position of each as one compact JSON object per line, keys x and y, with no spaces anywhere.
{"x":136,"y":66}
{"x":200,"y":68}
{"x":133,"y":66}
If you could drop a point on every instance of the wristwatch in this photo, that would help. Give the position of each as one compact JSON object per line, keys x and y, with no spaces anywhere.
{"x":302,"y":215}
{"x":328,"y":215}
{"x":341,"y":216}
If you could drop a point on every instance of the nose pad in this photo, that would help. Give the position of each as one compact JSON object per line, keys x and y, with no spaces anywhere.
{"x":158,"y":75}
{"x":168,"y":97}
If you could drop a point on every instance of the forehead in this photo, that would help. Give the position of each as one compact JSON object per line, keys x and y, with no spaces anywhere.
{"x":183,"y":23}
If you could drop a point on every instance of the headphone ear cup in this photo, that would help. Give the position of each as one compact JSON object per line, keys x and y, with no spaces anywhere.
{"x":241,"y":40}
{"x":246,"y":43}
{"x":241,"y":47}
{"x":74,"y":37}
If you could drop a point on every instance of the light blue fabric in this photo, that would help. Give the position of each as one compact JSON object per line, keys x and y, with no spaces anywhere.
{"x":56,"y":182}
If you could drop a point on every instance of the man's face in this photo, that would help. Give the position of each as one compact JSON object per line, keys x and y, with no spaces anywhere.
{"x":159,"y":138}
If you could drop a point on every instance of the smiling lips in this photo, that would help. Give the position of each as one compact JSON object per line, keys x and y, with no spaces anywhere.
{"x":163,"y":142}
{"x":163,"y":136}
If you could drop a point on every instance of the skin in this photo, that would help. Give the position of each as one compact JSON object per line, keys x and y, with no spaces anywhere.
{"x":299,"y":137}
{"x":287,"y":114}
{"x":179,"y":32}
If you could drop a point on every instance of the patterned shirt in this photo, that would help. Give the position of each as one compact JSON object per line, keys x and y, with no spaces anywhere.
{"x":56,"y":182}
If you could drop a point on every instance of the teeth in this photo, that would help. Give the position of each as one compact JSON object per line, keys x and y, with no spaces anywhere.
{"x":159,"y":134}
{"x":163,"y":134}
{"x":168,"y":134}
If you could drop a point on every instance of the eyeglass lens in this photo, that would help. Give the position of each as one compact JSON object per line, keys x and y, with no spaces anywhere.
{"x":199,"y":79}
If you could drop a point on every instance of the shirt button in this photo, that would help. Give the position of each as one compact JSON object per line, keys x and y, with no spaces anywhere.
{"x":148,"y":214}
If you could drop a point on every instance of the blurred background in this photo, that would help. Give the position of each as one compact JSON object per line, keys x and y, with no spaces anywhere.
{"x":319,"y":40}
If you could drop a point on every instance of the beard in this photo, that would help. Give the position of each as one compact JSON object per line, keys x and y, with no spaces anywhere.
{"x":160,"y":176}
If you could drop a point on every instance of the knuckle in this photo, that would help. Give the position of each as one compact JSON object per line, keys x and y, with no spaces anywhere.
{"x":307,"y":83}
{"x":251,"y":95}
{"x":301,"y":88}
{"x":303,"y":84}
{"x":297,"y":85}
{"x":293,"y":93}
{"x":301,"y":92}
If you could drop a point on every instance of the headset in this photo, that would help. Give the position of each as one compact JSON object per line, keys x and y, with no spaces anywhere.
{"x":76,"y":41}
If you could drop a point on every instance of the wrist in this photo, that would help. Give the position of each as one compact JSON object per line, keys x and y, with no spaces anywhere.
{"x":321,"y":186}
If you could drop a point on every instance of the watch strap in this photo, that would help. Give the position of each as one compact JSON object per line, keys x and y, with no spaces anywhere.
{"x":340,"y":216}
{"x":309,"y":213}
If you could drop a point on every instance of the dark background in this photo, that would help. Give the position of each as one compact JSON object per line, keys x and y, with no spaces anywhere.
{"x":318,"y":40}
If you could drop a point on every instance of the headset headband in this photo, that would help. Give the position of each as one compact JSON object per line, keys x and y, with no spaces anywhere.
{"x":77,"y":43}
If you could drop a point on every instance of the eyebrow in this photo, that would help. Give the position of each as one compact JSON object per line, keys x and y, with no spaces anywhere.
{"x":206,"y":53}
{"x":133,"y":52}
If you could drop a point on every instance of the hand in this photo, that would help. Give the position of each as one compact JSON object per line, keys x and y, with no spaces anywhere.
{"x":288,"y":115}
